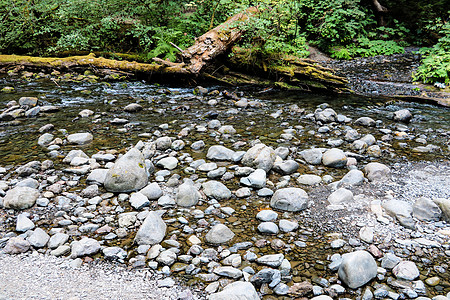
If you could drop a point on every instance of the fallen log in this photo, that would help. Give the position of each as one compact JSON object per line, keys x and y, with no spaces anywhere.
{"x":215,"y":42}
{"x":90,"y":61}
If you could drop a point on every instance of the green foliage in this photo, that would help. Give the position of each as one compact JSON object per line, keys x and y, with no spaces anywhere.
{"x":274,"y":31}
{"x":365,"y":48}
{"x":343,"y":28}
{"x":435,"y":64}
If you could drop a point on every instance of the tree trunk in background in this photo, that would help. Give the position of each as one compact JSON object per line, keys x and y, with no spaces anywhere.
{"x":380,"y":11}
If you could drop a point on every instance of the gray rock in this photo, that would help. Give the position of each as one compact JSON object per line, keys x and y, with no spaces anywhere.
{"x":152,"y":191}
{"x":166,"y":201}
{"x":389,"y":261}
{"x":289,"y":199}
{"x":16,"y":245}
{"x":128,"y":173}
{"x":219,"y":234}
{"x":206,"y":167}
{"x":23,"y":223}
{"x":168,"y":163}
{"x":406,"y":270}
{"x":286,"y":167}
{"x":271,"y":260}
{"x":326,"y":115}
{"x":425,"y":209}
{"x":97,"y":176}
{"x":90,"y":191}
{"x":366,"y":234}
{"x":73,"y":154}
{"x":365,"y":121}
{"x":152,"y":230}
{"x":309,"y":179}
{"x":216,"y":190}
{"x":187,"y":195}
{"x":259,"y":156}
{"x":334,"y":158}
{"x":268,"y":228}
{"x":45,"y":139}
{"x":352,"y":178}
{"x":139,"y":201}
{"x":198,"y":145}
{"x":163,"y":143}
{"x":267,"y":215}
{"x":133,"y":107}
{"x":376,"y":171}
{"x":81,"y":138}
{"x":28,"y":101}
{"x":238,"y":290}
{"x":243,"y":192}
{"x":340,"y":196}
{"x":84,"y":247}
{"x":400,"y":210}
{"x":229,"y":272}
{"x":57,"y":240}
{"x":357,"y":269}
{"x":444,"y":205}
{"x":167,"y":257}
{"x":312,"y":156}
{"x":288,"y":226}
{"x":38,"y":238}
{"x":20,"y":198}
{"x":265,"y":192}
{"x":114,"y":253}
{"x":220,"y":153}
{"x":402,"y":115}
{"x":256,"y":179}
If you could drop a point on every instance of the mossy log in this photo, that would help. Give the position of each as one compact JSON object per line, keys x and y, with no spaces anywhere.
{"x":288,"y":71}
{"x":90,"y":61}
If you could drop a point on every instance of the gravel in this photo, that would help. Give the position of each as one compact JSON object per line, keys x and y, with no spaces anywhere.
{"x":46,"y":277}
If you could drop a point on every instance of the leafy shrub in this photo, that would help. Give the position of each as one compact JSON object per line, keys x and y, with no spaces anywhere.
{"x":435,"y":64}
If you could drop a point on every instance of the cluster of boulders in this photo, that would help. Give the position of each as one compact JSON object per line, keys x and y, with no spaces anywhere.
{"x":175,"y":211}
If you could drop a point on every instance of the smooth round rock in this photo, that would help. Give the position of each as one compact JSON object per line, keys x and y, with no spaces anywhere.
{"x":334,"y":158}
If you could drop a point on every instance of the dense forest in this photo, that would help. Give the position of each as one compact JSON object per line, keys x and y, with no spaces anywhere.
{"x":343,"y":29}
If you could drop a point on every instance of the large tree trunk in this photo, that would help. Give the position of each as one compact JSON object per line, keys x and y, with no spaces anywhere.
{"x":215,"y":42}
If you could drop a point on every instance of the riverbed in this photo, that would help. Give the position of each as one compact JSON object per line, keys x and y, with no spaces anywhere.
{"x":416,"y":153}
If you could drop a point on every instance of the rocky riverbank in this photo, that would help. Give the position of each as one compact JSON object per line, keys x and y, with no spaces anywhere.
{"x":231,"y":193}
{"x":389,"y":76}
